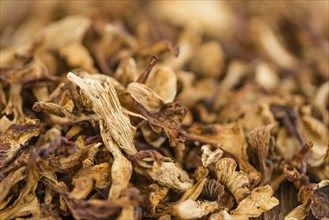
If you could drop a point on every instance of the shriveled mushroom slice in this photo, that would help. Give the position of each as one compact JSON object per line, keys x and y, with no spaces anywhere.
{"x":260,"y":142}
{"x":321,"y":100}
{"x":190,"y":209}
{"x":9,"y":181}
{"x":145,"y":96}
{"x":121,"y":168}
{"x":106,"y":105}
{"x":126,"y":71}
{"x":213,"y":190}
{"x":163,"y":81}
{"x":210,"y":156}
{"x":14,"y":106}
{"x":15,"y":137}
{"x":24,"y":207}
{"x":260,"y":200}
{"x":87,"y":179}
{"x":170,"y":175}
{"x":208,"y":60}
{"x":300,"y":212}
{"x":154,"y":193}
{"x":320,"y":200}
{"x":235,"y":182}
{"x":318,"y":133}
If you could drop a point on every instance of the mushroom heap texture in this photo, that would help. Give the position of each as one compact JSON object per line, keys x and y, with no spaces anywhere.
{"x":164,"y":110}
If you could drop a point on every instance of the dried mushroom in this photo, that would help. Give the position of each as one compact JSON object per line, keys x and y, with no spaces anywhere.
{"x":300,"y":212}
{"x":260,"y":200}
{"x":320,"y":204}
{"x":213,"y":190}
{"x":235,"y":182}
{"x":260,"y":141}
{"x":190,"y":209}
{"x":170,"y":175}
{"x":14,"y":138}
{"x":209,"y":157}
{"x":185,"y":110}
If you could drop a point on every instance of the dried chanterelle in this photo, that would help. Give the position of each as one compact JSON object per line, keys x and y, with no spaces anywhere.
{"x":164,"y":110}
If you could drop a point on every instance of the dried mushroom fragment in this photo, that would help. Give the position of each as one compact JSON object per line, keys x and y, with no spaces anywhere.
{"x":295,"y":169}
{"x":321,"y":99}
{"x":208,"y":156}
{"x":235,"y":182}
{"x":26,"y":206}
{"x":160,"y":47}
{"x":320,"y":200}
{"x":169,"y":118}
{"x":89,"y":161}
{"x":163,"y":81}
{"x":208,"y":60}
{"x":260,"y":200}
{"x":194,"y":191}
{"x":121,"y":168}
{"x":128,"y":212}
{"x":227,"y":201}
{"x":52,"y":108}
{"x":14,"y":107}
{"x":260,"y":142}
{"x":151,"y":137}
{"x":126,"y":71}
{"x":300,"y":212}
{"x":108,"y":108}
{"x":212,"y":190}
{"x":288,"y":116}
{"x":269,"y":42}
{"x":9,"y":181}
{"x":154,"y":194}
{"x":190,"y":209}
{"x":318,"y":133}
{"x":16,"y":136}
{"x":85,"y":180}
{"x":145,"y":96}
{"x":200,"y":173}
{"x":27,"y":202}
{"x":170,"y":175}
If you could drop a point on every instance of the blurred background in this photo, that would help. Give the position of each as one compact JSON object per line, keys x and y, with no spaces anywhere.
{"x":291,"y":35}
{"x":218,"y":18}
{"x":293,"y":23}
{"x":279,"y":41}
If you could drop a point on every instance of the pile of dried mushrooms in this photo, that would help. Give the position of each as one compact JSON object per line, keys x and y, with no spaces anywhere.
{"x":166,"y":110}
